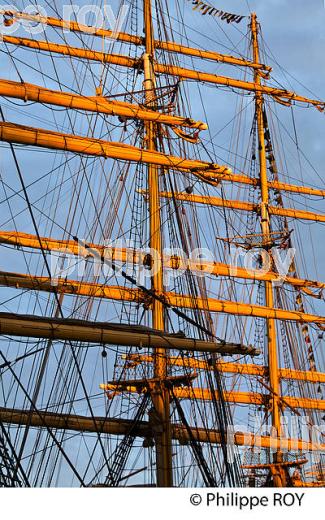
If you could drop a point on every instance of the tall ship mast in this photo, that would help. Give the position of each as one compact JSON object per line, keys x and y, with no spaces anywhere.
{"x":162,"y":319}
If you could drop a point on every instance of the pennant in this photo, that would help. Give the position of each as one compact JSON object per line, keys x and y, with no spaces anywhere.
{"x":208,"y":9}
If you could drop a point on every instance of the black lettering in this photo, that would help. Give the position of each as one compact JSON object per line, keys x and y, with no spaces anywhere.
{"x":299,"y":498}
{"x":289,"y":499}
{"x":264,"y":501}
{"x":254,"y":502}
{"x":243,"y":502}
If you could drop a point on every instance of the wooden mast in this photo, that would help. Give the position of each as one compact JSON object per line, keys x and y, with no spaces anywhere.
{"x":279,"y":475}
{"x":160,"y":424}
{"x":160,"y":415}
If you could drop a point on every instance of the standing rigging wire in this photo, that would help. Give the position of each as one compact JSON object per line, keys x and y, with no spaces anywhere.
{"x":285,"y":328}
{"x":33,"y":407}
{"x":305,"y":330}
{"x":284,"y":225}
{"x":194,"y":291}
{"x":221,"y":414}
{"x":37,"y":391}
{"x":209,"y":154}
{"x":208,"y":477}
{"x":35,"y":394}
{"x":12,"y":473}
{"x":58,"y":301}
{"x":179,"y":234}
{"x":109,"y":235}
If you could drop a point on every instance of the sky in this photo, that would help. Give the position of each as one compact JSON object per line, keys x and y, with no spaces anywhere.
{"x":294,"y":31}
{"x":294,"y":34}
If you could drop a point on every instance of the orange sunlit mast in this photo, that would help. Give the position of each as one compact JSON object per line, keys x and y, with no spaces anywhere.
{"x":278,"y":474}
{"x":159,"y":425}
{"x":160,"y":415}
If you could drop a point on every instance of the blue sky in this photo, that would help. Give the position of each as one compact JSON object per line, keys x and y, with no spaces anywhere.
{"x":294,"y":30}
